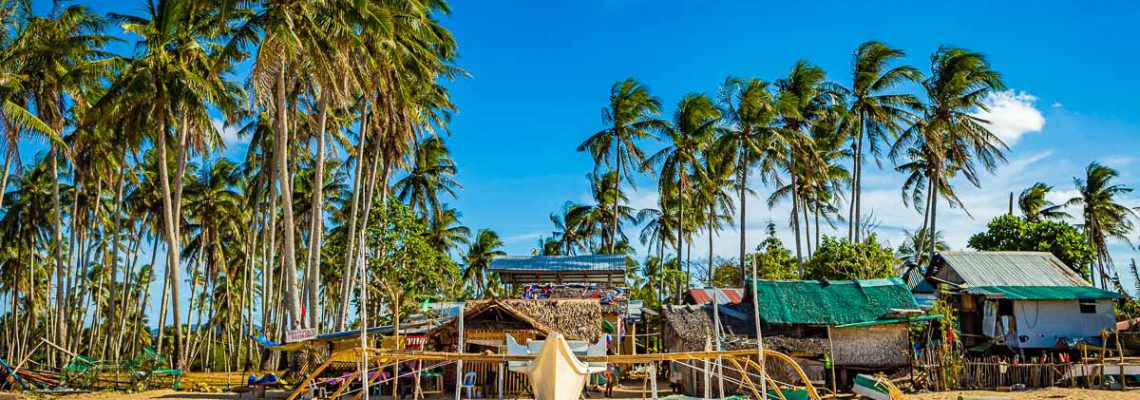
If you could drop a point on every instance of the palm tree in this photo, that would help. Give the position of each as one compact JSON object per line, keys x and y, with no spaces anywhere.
{"x":629,"y":119}
{"x":1034,"y":206}
{"x":1104,"y":217}
{"x":949,"y":139}
{"x":874,"y":114}
{"x":749,"y":111}
{"x":445,"y":233}
{"x":59,"y":56}
{"x":802,"y":99}
{"x":695,"y":125}
{"x":713,"y":199}
{"x":913,"y":247}
{"x":599,"y":219}
{"x":484,"y":247}
{"x":432,"y":175}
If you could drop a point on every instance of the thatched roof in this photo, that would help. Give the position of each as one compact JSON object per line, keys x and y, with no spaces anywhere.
{"x":690,"y":323}
{"x":575,"y":319}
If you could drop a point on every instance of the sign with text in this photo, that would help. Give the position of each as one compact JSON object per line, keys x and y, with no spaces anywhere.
{"x":300,"y":335}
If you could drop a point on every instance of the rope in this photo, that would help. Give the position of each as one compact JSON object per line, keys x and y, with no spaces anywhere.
{"x":732,"y":380}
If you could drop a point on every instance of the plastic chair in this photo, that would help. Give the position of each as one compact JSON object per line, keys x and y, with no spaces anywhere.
{"x":469,"y":384}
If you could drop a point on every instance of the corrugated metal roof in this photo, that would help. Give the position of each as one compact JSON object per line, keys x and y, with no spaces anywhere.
{"x":1044,"y":292}
{"x":723,"y":296}
{"x":1011,"y":268}
{"x":832,"y":303}
{"x":600,"y":262}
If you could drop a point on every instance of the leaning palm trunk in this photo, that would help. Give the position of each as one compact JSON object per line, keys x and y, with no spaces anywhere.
{"x":743,"y":195}
{"x":172,"y":248}
{"x":796,"y":219}
{"x":350,"y":266}
{"x":57,"y":235}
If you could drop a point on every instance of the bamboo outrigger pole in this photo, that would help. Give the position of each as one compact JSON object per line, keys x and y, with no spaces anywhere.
{"x":759,"y":334}
{"x":363,"y":309}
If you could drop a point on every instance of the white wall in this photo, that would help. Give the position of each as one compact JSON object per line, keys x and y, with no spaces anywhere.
{"x":1041,"y":323}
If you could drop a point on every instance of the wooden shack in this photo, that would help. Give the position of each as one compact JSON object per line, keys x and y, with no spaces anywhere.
{"x":1021,"y":300}
{"x":487,"y":322}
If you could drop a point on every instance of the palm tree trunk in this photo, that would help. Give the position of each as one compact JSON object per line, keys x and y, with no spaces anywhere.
{"x":57,"y":235}
{"x":796,"y":218}
{"x":681,"y":217}
{"x":350,"y":266}
{"x":712,"y":218}
{"x":617,"y":199}
{"x":284,"y":180}
{"x":316,"y":230}
{"x":858,"y":189}
{"x":172,"y":248}
{"x":743,"y":171}
{"x":935,"y":179}
{"x":4,"y":181}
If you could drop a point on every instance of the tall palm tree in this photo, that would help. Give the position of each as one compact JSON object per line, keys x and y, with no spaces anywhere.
{"x":484,"y":247}
{"x":167,"y":89}
{"x":1104,"y":217}
{"x":949,"y":139}
{"x":630,"y":118}
{"x":749,"y":111}
{"x":432,"y":175}
{"x":803,"y":98}
{"x":446,"y":233}
{"x":694,"y":127}
{"x":59,"y":57}
{"x":713,"y":199}
{"x":875,"y":114}
{"x":597,"y":220}
{"x":1034,"y":206}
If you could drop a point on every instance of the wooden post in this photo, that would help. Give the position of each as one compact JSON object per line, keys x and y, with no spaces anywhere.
{"x":459,"y":349}
{"x":759,"y":335}
{"x":653,"y":378}
{"x":831,"y":349}
{"x":501,"y":372}
{"x":705,"y":363}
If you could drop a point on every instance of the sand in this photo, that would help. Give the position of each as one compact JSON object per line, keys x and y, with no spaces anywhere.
{"x":628,"y":392}
{"x":1051,"y":393}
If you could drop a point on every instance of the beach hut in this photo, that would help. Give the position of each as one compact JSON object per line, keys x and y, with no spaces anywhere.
{"x":1021,"y":300}
{"x":486,"y":323}
{"x":859,"y":326}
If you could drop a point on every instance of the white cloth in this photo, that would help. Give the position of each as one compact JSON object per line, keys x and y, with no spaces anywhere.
{"x":555,"y":373}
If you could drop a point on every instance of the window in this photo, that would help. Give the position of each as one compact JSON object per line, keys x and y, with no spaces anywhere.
{"x":1088,"y":306}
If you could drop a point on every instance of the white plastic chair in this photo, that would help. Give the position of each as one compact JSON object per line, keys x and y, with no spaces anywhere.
{"x":469,"y":384}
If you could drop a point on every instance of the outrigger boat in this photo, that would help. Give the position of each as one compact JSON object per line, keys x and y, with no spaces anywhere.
{"x":557,"y":373}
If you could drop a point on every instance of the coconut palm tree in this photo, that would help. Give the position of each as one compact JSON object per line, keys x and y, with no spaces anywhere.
{"x":713,"y":198}
{"x":1104,"y":218}
{"x":630,"y":118}
{"x":432,"y":175}
{"x":596,"y":220}
{"x":803,"y":98}
{"x":875,"y":114}
{"x":749,"y":111}
{"x":695,"y":125}
{"x":949,"y":138}
{"x":446,"y":233}
{"x":484,"y":247}
{"x":1034,"y":206}
{"x":59,"y":56}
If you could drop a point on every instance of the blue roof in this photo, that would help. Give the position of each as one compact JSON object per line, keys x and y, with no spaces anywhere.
{"x":603,"y":262}
{"x":560,"y":269}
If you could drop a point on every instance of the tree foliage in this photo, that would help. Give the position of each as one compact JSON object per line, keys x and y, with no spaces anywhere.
{"x":839,"y":258}
{"x":1010,"y":233}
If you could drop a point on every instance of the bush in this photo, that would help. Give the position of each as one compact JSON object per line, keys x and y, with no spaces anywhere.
{"x":1010,"y":233}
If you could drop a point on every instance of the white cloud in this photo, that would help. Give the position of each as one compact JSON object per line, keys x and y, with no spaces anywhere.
{"x":230,"y":137}
{"x":1011,"y":114}
{"x":525,"y":237}
{"x":1057,"y":104}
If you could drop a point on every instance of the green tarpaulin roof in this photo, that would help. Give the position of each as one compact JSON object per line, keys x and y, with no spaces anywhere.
{"x":834,"y":303}
{"x":1043,"y":292}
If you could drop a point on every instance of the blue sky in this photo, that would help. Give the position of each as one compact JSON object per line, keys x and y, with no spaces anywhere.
{"x":541,"y":72}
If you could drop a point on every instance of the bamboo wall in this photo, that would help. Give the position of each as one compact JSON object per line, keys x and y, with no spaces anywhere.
{"x":485,"y":373}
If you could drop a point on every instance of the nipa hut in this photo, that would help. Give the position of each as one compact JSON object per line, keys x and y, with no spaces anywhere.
{"x":487,"y":322}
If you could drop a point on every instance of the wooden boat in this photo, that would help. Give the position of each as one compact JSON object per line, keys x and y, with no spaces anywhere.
{"x":875,"y":388}
{"x":555,"y":373}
